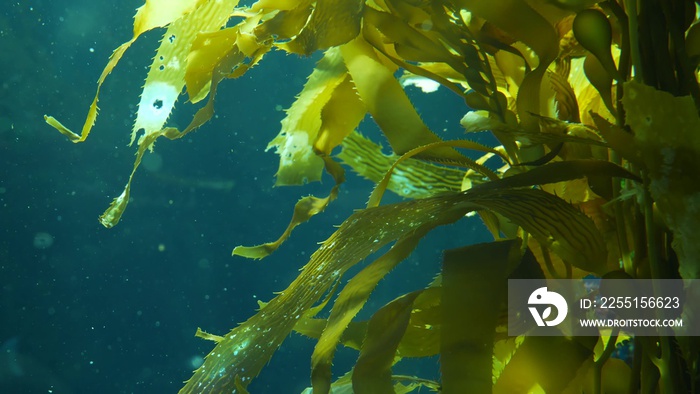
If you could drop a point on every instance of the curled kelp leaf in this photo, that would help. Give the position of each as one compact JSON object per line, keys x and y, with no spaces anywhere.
{"x":304,"y":209}
{"x":298,"y":161}
{"x":153,"y":14}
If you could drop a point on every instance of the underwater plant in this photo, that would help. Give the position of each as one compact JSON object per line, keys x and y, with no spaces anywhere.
{"x":595,"y":106}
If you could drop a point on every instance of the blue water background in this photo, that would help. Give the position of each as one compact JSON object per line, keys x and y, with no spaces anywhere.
{"x":115,"y":311}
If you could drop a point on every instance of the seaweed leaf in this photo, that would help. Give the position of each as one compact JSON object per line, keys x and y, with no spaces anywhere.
{"x":332,"y":23}
{"x":387,"y":102}
{"x":372,"y":372}
{"x":474,"y":289}
{"x":349,"y":302}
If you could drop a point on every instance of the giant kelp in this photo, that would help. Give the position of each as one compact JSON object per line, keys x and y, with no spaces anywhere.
{"x":593,"y":175}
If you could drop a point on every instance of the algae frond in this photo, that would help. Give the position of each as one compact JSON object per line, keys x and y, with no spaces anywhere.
{"x":595,"y":107}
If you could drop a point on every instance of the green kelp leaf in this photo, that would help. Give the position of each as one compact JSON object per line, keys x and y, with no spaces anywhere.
{"x":166,"y":76}
{"x":244,"y":351}
{"x":340,"y":116}
{"x":561,"y":171}
{"x":372,"y":372}
{"x":523,"y":23}
{"x":304,"y":210}
{"x":247,"y":348}
{"x":474,"y":290}
{"x":666,"y":132}
{"x":294,"y":144}
{"x":286,"y":23}
{"x":350,"y":300}
{"x":410,"y":44}
{"x":549,"y":362}
{"x":207,"y":51}
{"x":381,"y":187}
{"x":352,"y":337}
{"x":387,"y":102}
{"x":333,"y":22}
{"x":422,"y":337}
{"x":411,"y":178}
{"x":553,"y":222}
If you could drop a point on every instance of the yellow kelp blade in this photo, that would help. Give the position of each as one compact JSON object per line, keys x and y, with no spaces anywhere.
{"x":564,"y":229}
{"x":154,"y":13}
{"x":411,"y":178}
{"x":474,"y":289}
{"x":350,"y":300}
{"x":387,"y":102}
{"x":378,"y":192}
{"x":294,"y":144}
{"x":524,"y":24}
{"x":303,"y":211}
{"x":247,"y":348}
{"x":332,"y":23}
{"x":340,"y":116}
{"x":372,"y":372}
{"x":166,"y":77}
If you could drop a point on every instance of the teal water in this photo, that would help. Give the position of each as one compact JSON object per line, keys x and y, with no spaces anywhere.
{"x":85,"y":309}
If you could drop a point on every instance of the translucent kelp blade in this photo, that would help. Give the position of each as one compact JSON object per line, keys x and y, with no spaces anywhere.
{"x":340,"y":116}
{"x":247,"y":348}
{"x":422,"y":337}
{"x":411,"y":178}
{"x":474,"y":289}
{"x":333,"y":22}
{"x":294,"y":143}
{"x":372,"y":372}
{"x":304,"y":209}
{"x":524,"y":24}
{"x":166,"y":77}
{"x":378,"y":192}
{"x":550,"y":362}
{"x":410,"y":44}
{"x":207,"y":51}
{"x":115,"y":211}
{"x":476,"y":121}
{"x":387,"y":102}
{"x":350,"y":300}
{"x":558,"y":225}
{"x":153,"y":14}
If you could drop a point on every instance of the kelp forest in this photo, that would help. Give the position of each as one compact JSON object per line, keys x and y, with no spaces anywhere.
{"x":594,"y":107}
